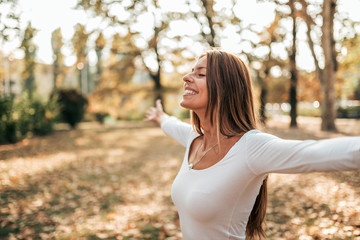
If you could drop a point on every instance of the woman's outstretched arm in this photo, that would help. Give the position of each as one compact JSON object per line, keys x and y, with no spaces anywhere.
{"x":173,"y":127}
{"x":270,"y":154}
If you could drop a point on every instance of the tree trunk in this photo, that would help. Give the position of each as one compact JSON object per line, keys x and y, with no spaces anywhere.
{"x":263,"y":100}
{"x":209,"y":13}
{"x":54,"y":80}
{"x":293,"y":71}
{"x":156,"y":78}
{"x":329,"y":74}
{"x":158,"y":89}
{"x":263,"y":95}
{"x":98,"y":52}
{"x":55,"y":72}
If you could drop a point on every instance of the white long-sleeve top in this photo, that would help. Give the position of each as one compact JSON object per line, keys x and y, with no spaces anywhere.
{"x":215,"y":203}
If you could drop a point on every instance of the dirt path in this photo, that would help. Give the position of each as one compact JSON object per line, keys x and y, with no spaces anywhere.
{"x":113,"y":182}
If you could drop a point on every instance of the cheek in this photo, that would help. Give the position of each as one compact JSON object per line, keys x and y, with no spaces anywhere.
{"x":204,"y":92}
{"x":205,"y":95}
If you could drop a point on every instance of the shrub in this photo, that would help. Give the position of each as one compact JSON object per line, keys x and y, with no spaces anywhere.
{"x":72,"y":105}
{"x":23,"y":116}
{"x":348,"y":112}
{"x":7,"y":124}
{"x":100,"y":116}
{"x":22,"y":113}
{"x":44,"y":117}
{"x":35,"y":116}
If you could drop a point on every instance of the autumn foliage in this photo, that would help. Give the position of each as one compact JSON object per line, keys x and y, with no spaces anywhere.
{"x":114,"y":182}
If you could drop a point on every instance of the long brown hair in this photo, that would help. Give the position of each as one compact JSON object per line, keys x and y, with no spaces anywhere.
{"x":231,"y":109}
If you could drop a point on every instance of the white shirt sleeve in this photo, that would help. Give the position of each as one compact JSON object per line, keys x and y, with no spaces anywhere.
{"x":178,"y":130}
{"x":267,"y":153}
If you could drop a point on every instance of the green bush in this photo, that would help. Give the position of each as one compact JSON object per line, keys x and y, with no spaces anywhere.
{"x":72,"y":105}
{"x":10,"y":132}
{"x":7,"y":124}
{"x":23,"y":116}
{"x":44,"y":117}
{"x":36,"y":116}
{"x":348,"y":112}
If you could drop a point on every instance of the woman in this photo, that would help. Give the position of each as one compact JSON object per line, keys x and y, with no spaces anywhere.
{"x":220,"y":190}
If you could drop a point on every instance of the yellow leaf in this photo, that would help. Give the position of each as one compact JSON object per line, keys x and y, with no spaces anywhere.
{"x":111,"y":216}
{"x":14,"y":179}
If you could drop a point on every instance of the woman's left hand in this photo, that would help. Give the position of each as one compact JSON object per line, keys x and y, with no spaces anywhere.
{"x":155,"y":114}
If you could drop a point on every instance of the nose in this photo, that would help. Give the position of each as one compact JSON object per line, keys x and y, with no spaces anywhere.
{"x":187,"y":78}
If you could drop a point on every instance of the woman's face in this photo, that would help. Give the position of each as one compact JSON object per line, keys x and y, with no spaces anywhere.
{"x":195,"y":91}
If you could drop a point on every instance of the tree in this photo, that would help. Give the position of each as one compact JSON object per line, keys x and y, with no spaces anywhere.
{"x":330,"y":68}
{"x":150,"y":51}
{"x":121,"y":62}
{"x":120,"y":66}
{"x":264,"y":62}
{"x":153,"y":49}
{"x":214,"y":20}
{"x":58,"y":65}
{"x":79,"y":41}
{"x":349,"y":68}
{"x":205,"y":17}
{"x":287,"y":10}
{"x":293,"y":68}
{"x":9,"y":24}
{"x":9,"y":29}
{"x":29,"y":60}
{"x":100,"y":44}
{"x":326,"y":72}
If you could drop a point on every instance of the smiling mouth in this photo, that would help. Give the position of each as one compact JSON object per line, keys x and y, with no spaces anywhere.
{"x":187,"y":91}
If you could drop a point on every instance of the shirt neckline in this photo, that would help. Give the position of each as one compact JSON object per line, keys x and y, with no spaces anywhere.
{"x":217,"y":163}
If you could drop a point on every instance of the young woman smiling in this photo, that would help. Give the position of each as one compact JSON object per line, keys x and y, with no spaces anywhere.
{"x":220,"y":190}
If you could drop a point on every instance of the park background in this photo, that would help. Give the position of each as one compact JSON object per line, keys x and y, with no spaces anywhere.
{"x":76,"y":160}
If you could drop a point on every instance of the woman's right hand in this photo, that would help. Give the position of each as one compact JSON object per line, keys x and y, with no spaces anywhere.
{"x":155,"y":114}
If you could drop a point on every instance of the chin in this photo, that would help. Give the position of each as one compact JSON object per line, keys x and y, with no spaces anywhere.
{"x":184,"y":104}
{"x":193,"y":104}
{"x":187,"y":104}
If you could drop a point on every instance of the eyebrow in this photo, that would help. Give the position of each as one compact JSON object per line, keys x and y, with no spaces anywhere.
{"x":198,"y":68}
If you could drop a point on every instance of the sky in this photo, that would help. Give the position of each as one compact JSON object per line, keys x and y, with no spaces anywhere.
{"x":47,"y":15}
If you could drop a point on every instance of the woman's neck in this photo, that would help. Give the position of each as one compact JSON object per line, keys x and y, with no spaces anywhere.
{"x":210,"y":131}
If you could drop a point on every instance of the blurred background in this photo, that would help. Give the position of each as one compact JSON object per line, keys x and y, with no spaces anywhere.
{"x":99,"y":64}
{"x":121,"y":55}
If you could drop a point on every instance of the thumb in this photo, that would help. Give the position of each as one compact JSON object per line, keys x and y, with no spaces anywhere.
{"x":159,"y":105}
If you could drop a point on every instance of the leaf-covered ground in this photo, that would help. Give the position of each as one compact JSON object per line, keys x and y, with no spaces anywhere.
{"x":113,"y":182}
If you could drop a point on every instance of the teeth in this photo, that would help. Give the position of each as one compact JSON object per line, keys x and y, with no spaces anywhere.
{"x":190,"y":92}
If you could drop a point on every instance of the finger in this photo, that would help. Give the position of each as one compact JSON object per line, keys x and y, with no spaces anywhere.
{"x":159,"y":105}
{"x":149,"y":117}
{"x":150,"y":110}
